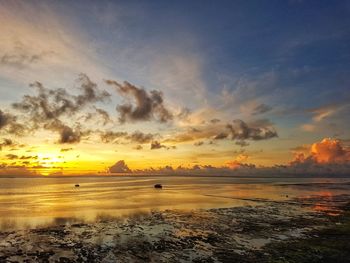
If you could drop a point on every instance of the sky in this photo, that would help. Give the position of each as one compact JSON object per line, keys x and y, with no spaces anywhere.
{"x":174,"y":87}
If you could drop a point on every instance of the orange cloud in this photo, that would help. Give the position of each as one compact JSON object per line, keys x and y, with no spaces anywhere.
{"x":330,"y":151}
{"x":238,"y":161}
{"x":327,"y":151}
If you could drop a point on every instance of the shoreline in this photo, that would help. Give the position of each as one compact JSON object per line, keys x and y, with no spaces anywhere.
{"x":242,"y":234}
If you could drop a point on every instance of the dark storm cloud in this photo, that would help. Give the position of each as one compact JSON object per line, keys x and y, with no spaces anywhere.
{"x":119,"y":167}
{"x":260,"y":109}
{"x":141,"y":105}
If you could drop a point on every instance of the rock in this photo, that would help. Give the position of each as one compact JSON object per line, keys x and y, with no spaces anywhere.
{"x":158,"y":186}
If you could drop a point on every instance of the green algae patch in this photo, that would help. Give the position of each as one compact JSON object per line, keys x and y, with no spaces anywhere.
{"x":331,"y":244}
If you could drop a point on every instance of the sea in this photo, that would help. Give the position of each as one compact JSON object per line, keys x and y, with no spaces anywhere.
{"x":38,"y":202}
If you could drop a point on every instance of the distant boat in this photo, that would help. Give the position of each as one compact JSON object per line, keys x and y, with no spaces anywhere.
{"x":77,"y":185}
{"x":159,"y":186}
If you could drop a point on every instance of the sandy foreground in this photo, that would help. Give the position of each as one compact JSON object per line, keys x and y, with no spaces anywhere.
{"x":266,"y":231}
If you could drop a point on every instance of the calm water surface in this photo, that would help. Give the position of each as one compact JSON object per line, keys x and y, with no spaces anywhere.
{"x":33,"y":202}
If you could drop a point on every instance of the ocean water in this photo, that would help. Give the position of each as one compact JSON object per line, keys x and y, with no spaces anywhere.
{"x":36,"y":202}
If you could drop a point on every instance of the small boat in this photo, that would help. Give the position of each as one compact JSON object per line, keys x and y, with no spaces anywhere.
{"x":158,"y":186}
{"x":77,"y":185}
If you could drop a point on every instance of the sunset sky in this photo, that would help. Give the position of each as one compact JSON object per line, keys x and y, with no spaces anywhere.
{"x":227,"y":87}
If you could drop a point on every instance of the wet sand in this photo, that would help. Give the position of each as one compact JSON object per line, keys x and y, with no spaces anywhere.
{"x":267,"y":231}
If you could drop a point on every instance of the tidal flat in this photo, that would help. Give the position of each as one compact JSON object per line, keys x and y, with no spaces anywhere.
{"x":309,"y":229}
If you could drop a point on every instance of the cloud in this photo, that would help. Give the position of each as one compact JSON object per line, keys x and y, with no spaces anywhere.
{"x":119,"y":167}
{"x":5,"y":119}
{"x":9,"y":123}
{"x":214,"y":121}
{"x":11,"y":156}
{"x":220,"y":136}
{"x":141,"y":105}
{"x":22,"y":56}
{"x":330,"y":151}
{"x":7,"y":143}
{"x":111,"y":136}
{"x":135,"y":137}
{"x":138,"y":147}
{"x":140,"y":137}
{"x":51,"y":104}
{"x":260,"y":109}
{"x":66,"y":149}
{"x":329,"y":156}
{"x":239,"y":130}
{"x":46,"y":108}
{"x":238,"y":161}
{"x":157,"y":145}
{"x":16,"y":171}
{"x":200,"y":143}
{"x":104,"y":115}
{"x":327,"y":151}
{"x":66,"y":134}
{"x":308,"y":127}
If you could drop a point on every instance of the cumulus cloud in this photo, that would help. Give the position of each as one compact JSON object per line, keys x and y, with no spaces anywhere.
{"x":119,"y":167}
{"x":47,"y":106}
{"x":7,"y":143}
{"x":51,"y":104}
{"x":157,"y":145}
{"x":330,"y":151}
{"x":140,"y":105}
{"x":99,"y":116}
{"x":239,"y":130}
{"x":8,"y":122}
{"x":327,"y":151}
{"x":5,"y":119}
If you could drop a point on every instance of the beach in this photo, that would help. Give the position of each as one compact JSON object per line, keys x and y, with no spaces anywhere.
{"x":250,"y":230}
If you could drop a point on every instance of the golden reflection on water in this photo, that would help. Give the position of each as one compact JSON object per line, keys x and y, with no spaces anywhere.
{"x":35,"y":202}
